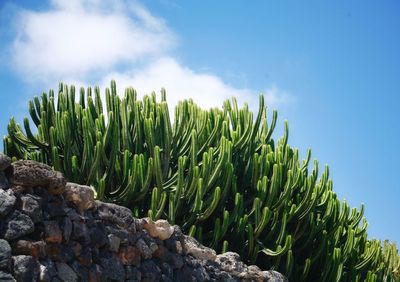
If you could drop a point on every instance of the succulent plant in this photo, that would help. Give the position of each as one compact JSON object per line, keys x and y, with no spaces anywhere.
{"x":218,"y":173}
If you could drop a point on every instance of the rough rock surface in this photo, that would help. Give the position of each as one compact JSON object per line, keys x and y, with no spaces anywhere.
{"x":50,"y":231}
{"x":28,"y":174}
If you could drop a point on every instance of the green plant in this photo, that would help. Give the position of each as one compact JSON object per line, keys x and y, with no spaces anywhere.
{"x":217,"y":173}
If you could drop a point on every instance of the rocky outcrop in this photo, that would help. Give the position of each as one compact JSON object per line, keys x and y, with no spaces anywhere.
{"x":51,"y":230}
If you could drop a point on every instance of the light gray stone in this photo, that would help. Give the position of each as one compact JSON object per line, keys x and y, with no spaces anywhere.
{"x":7,"y":201}
{"x":5,"y":254}
{"x":66,"y":273}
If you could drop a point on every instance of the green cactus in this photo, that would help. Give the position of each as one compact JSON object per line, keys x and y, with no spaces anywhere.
{"x":218,"y":173}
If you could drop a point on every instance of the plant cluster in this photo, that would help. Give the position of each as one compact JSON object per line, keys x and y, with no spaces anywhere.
{"x":217,"y":173}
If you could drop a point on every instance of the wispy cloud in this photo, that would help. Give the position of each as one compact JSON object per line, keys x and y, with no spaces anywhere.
{"x":96,"y":40}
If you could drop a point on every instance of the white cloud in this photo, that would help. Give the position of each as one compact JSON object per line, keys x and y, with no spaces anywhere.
{"x":180,"y":82}
{"x":79,"y":37}
{"x":206,"y":90}
{"x":89,"y":40}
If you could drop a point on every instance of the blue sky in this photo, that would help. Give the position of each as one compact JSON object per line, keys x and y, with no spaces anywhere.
{"x":331,"y":68}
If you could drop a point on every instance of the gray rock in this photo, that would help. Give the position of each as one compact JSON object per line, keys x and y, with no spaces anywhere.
{"x":66,"y":273}
{"x":175,"y":260}
{"x":5,"y":254}
{"x":114,"y":242}
{"x":47,"y":270}
{"x":113,"y":268}
{"x":7,"y":201}
{"x":81,"y":271}
{"x":72,"y":214}
{"x":18,"y":225}
{"x":97,"y":273}
{"x":185,"y":274}
{"x":122,"y":234}
{"x":275,"y":276}
{"x":5,"y":162}
{"x":30,"y":205}
{"x":230,"y":262}
{"x":143,"y":249}
{"x":4,"y":183}
{"x":67,"y":228}
{"x":59,"y":252}
{"x":29,"y":174}
{"x":200,"y":274}
{"x":167,"y":271}
{"x":115,"y":214}
{"x":98,"y":236}
{"x":55,"y":209}
{"x":132,"y":273}
{"x":6,"y":277}
{"x":80,"y":232}
{"x":26,"y":268}
{"x":150,"y":271}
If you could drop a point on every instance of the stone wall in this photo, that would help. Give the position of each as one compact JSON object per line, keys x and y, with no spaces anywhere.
{"x":51,"y":230}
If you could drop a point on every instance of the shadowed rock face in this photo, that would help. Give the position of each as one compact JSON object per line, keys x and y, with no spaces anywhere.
{"x":54,"y":231}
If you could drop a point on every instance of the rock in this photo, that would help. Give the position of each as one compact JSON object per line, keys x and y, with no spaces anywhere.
{"x":47,"y":270}
{"x":66,"y":273}
{"x":55,"y":209}
{"x":118,"y":215}
{"x":150,"y":271}
{"x":161,"y":252}
{"x":80,"y":232}
{"x":4,"y":183}
{"x":197,"y":250}
{"x":6,"y":277}
{"x":96,"y":273}
{"x":185,"y":274}
{"x":5,"y":162}
{"x":52,"y":232}
{"x":81,"y":195}
{"x":160,"y":229}
{"x":129,"y":255}
{"x":7,"y":202}
{"x":30,"y":205}
{"x":66,"y":228}
{"x":143,"y":249}
{"x":86,"y":256}
{"x":176,"y":261}
{"x":113,"y":268}
{"x":29,"y":174}
{"x":76,"y":248}
{"x":29,"y":248}
{"x":5,"y":255}
{"x":274,"y":276}
{"x":174,"y":246}
{"x":81,"y":271}
{"x":99,"y":238}
{"x":230,"y":262}
{"x":25,"y":268}
{"x":72,"y":214}
{"x":18,"y":225}
{"x":59,"y":253}
{"x":132,"y":273}
{"x":167,"y":272}
{"x":114,"y":242}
